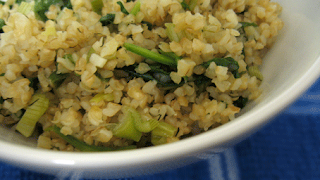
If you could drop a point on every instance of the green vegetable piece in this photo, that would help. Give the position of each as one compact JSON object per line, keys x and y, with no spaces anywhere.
{"x":17,"y":1}
{"x":25,"y":8}
{"x":102,"y":97}
{"x":184,"y":5}
{"x":170,"y":55}
{"x":67,"y":4}
{"x":254,"y":71}
{"x":139,"y":124}
{"x":107,"y":19}
{"x":41,"y":6}
{"x":70,"y":58}
{"x":2,"y":23}
{"x":245,"y":24}
{"x":33,"y":113}
{"x":158,"y":140}
{"x":97,"y":6}
{"x":122,"y":8}
{"x":136,"y":8}
{"x":82,"y":146}
{"x":2,"y":74}
{"x":229,"y":62}
{"x":165,"y":130}
{"x":241,"y":102}
{"x":192,"y":4}
{"x":1,"y":100}
{"x":173,"y":36}
{"x":57,"y":79}
{"x":34,"y":81}
{"x":150,"y":55}
{"x":148,"y":24}
{"x":126,"y":128}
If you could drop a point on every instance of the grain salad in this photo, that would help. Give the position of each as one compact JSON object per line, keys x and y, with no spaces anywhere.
{"x":100,"y":75}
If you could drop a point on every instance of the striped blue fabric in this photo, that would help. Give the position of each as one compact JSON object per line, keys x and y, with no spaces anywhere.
{"x":288,"y":148}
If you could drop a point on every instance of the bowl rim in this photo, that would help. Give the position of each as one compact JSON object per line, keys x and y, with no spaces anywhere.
{"x":191,"y":146}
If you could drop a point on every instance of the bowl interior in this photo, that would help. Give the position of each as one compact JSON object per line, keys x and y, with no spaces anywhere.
{"x":289,"y":68}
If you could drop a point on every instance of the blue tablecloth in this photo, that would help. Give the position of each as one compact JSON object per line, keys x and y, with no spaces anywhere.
{"x":288,"y":148}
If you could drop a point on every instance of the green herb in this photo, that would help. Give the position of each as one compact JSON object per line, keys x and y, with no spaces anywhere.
{"x":82,"y":146}
{"x":107,"y":19}
{"x":229,"y":62}
{"x":2,"y":23}
{"x":32,"y":115}
{"x":2,"y":74}
{"x":150,"y":55}
{"x":165,"y":130}
{"x":245,"y":24}
{"x":2,"y":2}
{"x":173,"y":36}
{"x":170,"y":55}
{"x":254,"y":71}
{"x":184,"y":5}
{"x":97,"y":6}
{"x":1,"y":100}
{"x":241,"y":102}
{"x":70,"y":58}
{"x":123,"y":9}
{"x":148,"y":24}
{"x":57,"y":79}
{"x":41,"y":6}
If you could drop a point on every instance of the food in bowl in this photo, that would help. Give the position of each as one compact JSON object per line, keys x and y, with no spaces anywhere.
{"x":99,"y":75}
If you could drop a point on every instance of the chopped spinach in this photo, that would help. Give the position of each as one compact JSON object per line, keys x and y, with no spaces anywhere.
{"x":241,"y":102}
{"x":107,"y":19}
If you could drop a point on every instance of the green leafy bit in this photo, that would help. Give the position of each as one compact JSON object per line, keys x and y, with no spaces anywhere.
{"x":102,"y":97}
{"x":136,"y":8}
{"x":70,"y":58}
{"x":241,"y":102}
{"x":2,"y":23}
{"x":2,"y":2}
{"x":184,"y":5}
{"x":170,"y":55}
{"x":82,"y":146}
{"x":122,"y":8}
{"x":97,"y":6}
{"x":150,"y":55}
{"x":56,"y":79}
{"x":33,"y":113}
{"x":254,"y":71}
{"x":1,"y":100}
{"x":229,"y":62}
{"x":41,"y":6}
{"x":246,"y":24}
{"x":192,"y":4}
{"x":2,"y":74}
{"x":34,"y":81}
{"x":107,"y":19}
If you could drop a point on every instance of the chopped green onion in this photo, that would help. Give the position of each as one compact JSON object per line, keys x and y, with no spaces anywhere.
{"x":140,"y":125}
{"x":97,"y":6}
{"x":122,"y":8}
{"x":150,"y":54}
{"x":165,"y":130}
{"x":34,"y":81}
{"x":82,"y":146}
{"x":33,"y":113}
{"x":170,"y":55}
{"x":245,"y":24}
{"x":136,"y":8}
{"x":57,"y":79}
{"x":102,"y":97}
{"x":192,"y":4}
{"x":173,"y":36}
{"x":126,"y":128}
{"x":254,"y":71}
{"x":107,"y":19}
{"x":2,"y":23}
{"x":2,"y":74}
{"x":25,"y":8}
{"x":41,"y":6}
{"x":158,"y":140}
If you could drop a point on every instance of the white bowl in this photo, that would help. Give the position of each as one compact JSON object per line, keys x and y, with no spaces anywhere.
{"x":289,"y":68}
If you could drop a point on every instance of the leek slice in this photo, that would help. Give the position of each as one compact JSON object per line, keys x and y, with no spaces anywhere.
{"x":164,"y":130}
{"x":126,"y":128}
{"x":254,"y":71}
{"x":102,"y":97}
{"x":33,"y":113}
{"x":82,"y":146}
{"x":136,"y":8}
{"x":139,"y":124}
{"x":25,"y":7}
{"x":173,"y":36}
{"x":158,"y":140}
